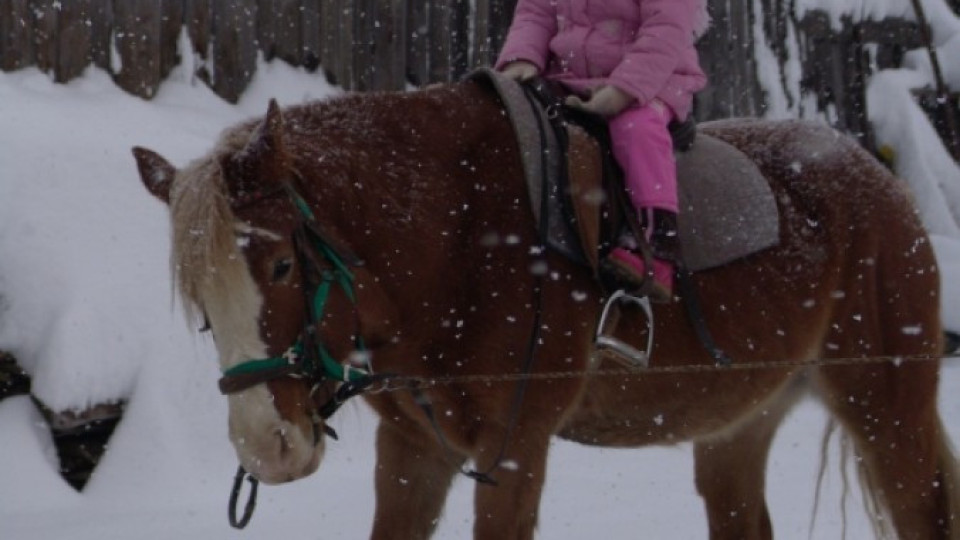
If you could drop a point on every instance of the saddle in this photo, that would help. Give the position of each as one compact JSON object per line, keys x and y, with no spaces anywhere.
{"x":727,"y":209}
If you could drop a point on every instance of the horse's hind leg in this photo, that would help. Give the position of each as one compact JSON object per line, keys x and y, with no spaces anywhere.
{"x":731,"y":472}
{"x":890,"y":411}
{"x":413,"y":478}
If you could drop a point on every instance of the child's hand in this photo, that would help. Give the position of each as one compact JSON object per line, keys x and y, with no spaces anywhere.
{"x":520,"y":70}
{"x":608,"y":101}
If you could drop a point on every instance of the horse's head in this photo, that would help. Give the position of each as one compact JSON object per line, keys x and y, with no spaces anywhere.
{"x":249,"y":258}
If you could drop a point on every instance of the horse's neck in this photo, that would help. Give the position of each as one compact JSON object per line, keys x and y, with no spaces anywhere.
{"x":430,"y":172}
{"x":410,"y":166}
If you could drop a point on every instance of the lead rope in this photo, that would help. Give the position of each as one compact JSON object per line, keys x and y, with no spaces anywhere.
{"x":235,"y":495}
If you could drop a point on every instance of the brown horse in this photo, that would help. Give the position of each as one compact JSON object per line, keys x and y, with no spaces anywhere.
{"x":423,"y":189}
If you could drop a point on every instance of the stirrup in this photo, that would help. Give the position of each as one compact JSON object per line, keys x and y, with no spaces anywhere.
{"x":621,"y":351}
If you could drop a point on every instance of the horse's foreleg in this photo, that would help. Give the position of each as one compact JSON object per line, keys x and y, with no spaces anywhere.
{"x":731,"y":473}
{"x":509,"y":509}
{"x":413,"y":477}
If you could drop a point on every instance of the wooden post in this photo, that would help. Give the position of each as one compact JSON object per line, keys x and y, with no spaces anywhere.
{"x":171,"y":24}
{"x":310,"y":34}
{"x":16,"y":34}
{"x":491,"y":22}
{"x":101,"y":33}
{"x":73,"y":39}
{"x":364,"y":14}
{"x":136,"y":38}
{"x":726,"y":54}
{"x":289,"y":31}
{"x":330,"y":18}
{"x":279,"y":30}
{"x":418,"y":42}
{"x":449,"y":47}
{"x":347,"y":75}
{"x":851,"y":85}
{"x":389,"y":44}
{"x":234,"y":46}
{"x":43,"y":18}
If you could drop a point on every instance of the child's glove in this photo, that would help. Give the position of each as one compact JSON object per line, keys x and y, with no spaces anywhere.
{"x":608,"y":101}
{"x":520,"y":70}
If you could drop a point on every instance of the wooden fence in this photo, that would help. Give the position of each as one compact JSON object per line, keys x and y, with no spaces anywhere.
{"x":361,"y":44}
{"x":389,"y":44}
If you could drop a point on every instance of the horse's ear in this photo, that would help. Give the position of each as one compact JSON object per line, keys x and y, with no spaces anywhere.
{"x":262,"y":160}
{"x":156,"y":173}
{"x":266,"y":139}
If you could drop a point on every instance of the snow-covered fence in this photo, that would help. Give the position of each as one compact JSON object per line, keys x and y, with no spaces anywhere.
{"x":388,"y":44}
{"x":836,"y":64}
{"x":361,"y":44}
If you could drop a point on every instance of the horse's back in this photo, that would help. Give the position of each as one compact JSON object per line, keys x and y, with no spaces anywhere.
{"x":852,"y":276}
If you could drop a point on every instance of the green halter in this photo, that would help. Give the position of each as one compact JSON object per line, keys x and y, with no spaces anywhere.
{"x":293,"y":361}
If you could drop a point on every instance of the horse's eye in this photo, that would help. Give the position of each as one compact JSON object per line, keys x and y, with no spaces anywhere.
{"x":206,"y":323}
{"x":281,"y":269}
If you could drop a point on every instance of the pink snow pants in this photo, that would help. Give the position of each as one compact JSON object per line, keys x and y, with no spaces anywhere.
{"x":643,"y":148}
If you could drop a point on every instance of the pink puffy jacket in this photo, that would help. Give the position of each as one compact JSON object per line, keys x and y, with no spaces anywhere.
{"x":643,"y":47}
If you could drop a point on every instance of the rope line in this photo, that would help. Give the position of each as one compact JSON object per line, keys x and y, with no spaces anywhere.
{"x":404,"y":382}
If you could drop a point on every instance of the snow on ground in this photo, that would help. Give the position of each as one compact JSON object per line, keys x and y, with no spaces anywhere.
{"x":86,"y":304}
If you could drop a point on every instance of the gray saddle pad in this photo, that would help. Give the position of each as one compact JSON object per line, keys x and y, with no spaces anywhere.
{"x":727,"y":210}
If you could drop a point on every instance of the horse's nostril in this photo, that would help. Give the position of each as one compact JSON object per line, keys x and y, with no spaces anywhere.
{"x":285,"y":446}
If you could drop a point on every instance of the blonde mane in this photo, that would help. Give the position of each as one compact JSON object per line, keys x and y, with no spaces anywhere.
{"x":206,"y":263}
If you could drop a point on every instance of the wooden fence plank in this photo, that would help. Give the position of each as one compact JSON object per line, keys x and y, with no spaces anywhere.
{"x":44,"y":20}
{"x":101,"y":33}
{"x":388,"y":48}
{"x":197,"y":18}
{"x":441,"y":34}
{"x":418,"y":42}
{"x":234,"y":47}
{"x":330,"y":17}
{"x":266,"y":27}
{"x":16,"y":35}
{"x":362,"y":50}
{"x":346,"y":74}
{"x":310,"y":34}
{"x":726,"y":54}
{"x":74,"y":40}
{"x":171,"y":25}
{"x":279,"y":30}
{"x":894,"y":38}
{"x":491,"y":22}
{"x":137,"y":42}
{"x":450,"y":41}
{"x":397,"y":47}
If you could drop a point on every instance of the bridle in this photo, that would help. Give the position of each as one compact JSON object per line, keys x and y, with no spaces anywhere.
{"x":324,"y":264}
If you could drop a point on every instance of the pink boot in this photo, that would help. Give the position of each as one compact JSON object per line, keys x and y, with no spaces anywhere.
{"x":627,"y":267}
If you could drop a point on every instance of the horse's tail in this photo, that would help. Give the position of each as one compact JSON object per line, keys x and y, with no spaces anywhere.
{"x":872,"y":503}
{"x":947,"y":482}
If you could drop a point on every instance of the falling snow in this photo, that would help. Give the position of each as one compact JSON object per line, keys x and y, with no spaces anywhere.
{"x":86,"y":305}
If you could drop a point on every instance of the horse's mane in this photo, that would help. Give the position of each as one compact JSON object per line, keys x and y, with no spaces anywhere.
{"x":205,"y":260}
